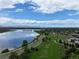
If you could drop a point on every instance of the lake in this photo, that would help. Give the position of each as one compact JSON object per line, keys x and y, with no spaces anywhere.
{"x":14,"y":39}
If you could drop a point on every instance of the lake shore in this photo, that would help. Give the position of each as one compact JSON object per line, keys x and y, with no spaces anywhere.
{"x":20,"y":50}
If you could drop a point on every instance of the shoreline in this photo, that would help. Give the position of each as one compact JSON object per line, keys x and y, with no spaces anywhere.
{"x":20,"y":49}
{"x":34,"y":35}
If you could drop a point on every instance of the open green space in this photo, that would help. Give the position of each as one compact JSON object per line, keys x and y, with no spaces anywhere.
{"x":49,"y":49}
{"x":48,"y":46}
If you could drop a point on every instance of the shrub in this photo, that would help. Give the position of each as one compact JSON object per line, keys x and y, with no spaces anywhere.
{"x":24,"y":43}
{"x":5,"y":50}
{"x":13,"y":55}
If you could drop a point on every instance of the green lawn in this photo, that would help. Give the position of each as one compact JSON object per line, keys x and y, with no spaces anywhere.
{"x":48,"y":50}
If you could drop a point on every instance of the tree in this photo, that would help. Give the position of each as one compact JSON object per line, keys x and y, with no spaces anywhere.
{"x":60,"y":41}
{"x":13,"y":55}
{"x":24,"y":43}
{"x":5,"y":50}
{"x":44,"y":39}
{"x":25,"y":54}
{"x":77,"y":45}
{"x":34,"y":49}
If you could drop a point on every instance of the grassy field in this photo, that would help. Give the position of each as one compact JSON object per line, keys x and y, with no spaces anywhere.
{"x":49,"y":49}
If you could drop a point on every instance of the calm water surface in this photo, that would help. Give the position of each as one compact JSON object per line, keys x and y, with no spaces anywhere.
{"x":14,"y":39}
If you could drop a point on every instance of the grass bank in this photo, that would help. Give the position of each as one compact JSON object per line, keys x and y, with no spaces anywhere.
{"x":49,"y":49}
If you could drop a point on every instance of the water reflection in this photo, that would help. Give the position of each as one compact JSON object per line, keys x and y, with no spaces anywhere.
{"x":13,"y":39}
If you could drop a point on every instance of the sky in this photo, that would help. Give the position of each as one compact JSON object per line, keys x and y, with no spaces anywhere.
{"x":39,"y":13}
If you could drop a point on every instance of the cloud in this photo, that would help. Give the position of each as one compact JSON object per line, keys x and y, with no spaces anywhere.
{"x":65,"y":23}
{"x":8,"y":22}
{"x":10,"y":3}
{"x":6,"y":4}
{"x":52,"y":6}
{"x":44,"y":6}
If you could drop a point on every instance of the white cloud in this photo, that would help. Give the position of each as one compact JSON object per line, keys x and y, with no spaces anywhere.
{"x":7,"y":22}
{"x":52,"y":6}
{"x":6,"y":4}
{"x":45,"y":6}
{"x":20,"y":22}
{"x":65,"y":23}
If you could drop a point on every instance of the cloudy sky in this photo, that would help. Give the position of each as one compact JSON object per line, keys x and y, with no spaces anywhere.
{"x":40,"y":13}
